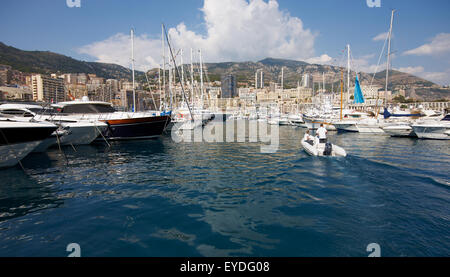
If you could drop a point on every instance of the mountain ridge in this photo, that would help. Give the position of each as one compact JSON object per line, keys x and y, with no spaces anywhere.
{"x":47,"y":62}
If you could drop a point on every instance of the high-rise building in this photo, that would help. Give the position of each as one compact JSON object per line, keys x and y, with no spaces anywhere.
{"x":307,"y":81}
{"x":5,"y":74}
{"x":229,"y":87}
{"x":48,"y":89}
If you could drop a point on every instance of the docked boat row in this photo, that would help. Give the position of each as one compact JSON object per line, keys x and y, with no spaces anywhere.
{"x":26,"y":128}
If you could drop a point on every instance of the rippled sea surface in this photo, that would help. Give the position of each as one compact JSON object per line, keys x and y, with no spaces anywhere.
{"x":161,"y":198}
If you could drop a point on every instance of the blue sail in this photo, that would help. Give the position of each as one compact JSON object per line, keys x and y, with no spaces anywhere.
{"x":359,"y":98}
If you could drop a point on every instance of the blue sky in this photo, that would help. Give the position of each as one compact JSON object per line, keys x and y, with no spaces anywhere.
{"x":235,"y":30}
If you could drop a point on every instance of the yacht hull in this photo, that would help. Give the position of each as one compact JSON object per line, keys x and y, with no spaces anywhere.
{"x":10,"y":155}
{"x":432,"y":132}
{"x":82,"y":134}
{"x":136,"y":128}
{"x":400,"y":131}
{"x":18,"y":142}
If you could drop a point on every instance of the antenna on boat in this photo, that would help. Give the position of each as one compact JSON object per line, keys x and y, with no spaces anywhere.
{"x":176,"y":70}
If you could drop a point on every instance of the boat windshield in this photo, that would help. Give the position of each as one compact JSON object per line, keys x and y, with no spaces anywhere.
{"x":87,"y":108}
{"x":46,"y":111}
{"x":17,"y":112}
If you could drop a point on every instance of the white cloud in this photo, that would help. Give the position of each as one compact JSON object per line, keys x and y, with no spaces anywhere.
{"x":381,"y":37}
{"x":236,"y":30}
{"x":414,"y":70}
{"x":438,"y":45}
{"x":117,"y":49}
{"x":441,"y":78}
{"x":323,"y":59}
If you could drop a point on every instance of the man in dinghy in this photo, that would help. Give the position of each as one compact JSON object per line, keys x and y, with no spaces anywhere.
{"x":322,"y":134}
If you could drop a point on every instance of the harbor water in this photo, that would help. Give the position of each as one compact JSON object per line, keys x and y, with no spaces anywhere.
{"x":159,"y":198}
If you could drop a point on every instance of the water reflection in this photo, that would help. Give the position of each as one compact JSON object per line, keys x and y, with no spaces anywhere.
{"x":21,"y":195}
{"x":157,"y":197}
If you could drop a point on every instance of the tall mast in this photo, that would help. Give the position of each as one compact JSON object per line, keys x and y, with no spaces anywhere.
{"x":348,"y":74}
{"x":170,"y":83}
{"x":160,"y":91}
{"x":192,"y":79}
{"x":201,"y":78}
{"x":323,"y":87}
{"x":132,"y":69}
{"x":163,"y":42}
{"x":176,"y":71}
{"x":342,"y":88}
{"x":282,"y":79}
{"x":182,"y":69}
{"x":388,"y":58}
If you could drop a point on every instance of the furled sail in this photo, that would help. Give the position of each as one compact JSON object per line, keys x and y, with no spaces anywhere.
{"x":359,"y":98}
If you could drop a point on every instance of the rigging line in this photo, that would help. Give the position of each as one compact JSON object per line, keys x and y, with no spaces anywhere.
{"x":148,"y":83}
{"x":109,"y":145}
{"x":60,"y":149}
{"x":379,"y":59}
{"x":374,"y":74}
{"x":177,"y":72}
{"x":341,"y":66}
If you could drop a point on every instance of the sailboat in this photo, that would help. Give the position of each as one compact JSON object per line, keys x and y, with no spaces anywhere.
{"x":369,"y":124}
{"x":360,"y":122}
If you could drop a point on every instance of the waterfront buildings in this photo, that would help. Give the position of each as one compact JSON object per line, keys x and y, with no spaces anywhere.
{"x":48,"y":89}
{"x":21,"y":93}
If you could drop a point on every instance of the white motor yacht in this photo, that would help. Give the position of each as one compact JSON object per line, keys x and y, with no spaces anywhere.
{"x":77,"y":131}
{"x":18,"y":139}
{"x":433,"y":129}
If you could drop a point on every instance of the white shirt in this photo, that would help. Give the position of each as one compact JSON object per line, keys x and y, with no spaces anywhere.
{"x":322,"y":132}
{"x":307,"y":137}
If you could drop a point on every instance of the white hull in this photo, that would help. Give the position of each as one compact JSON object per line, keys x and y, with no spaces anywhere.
{"x":369,"y":129}
{"x":82,"y":133}
{"x":399,"y":131}
{"x":346,"y":127}
{"x":439,"y":132}
{"x":10,"y":155}
{"x":359,"y":127}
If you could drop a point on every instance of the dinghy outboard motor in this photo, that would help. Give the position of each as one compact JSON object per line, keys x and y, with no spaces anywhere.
{"x":328,"y":149}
